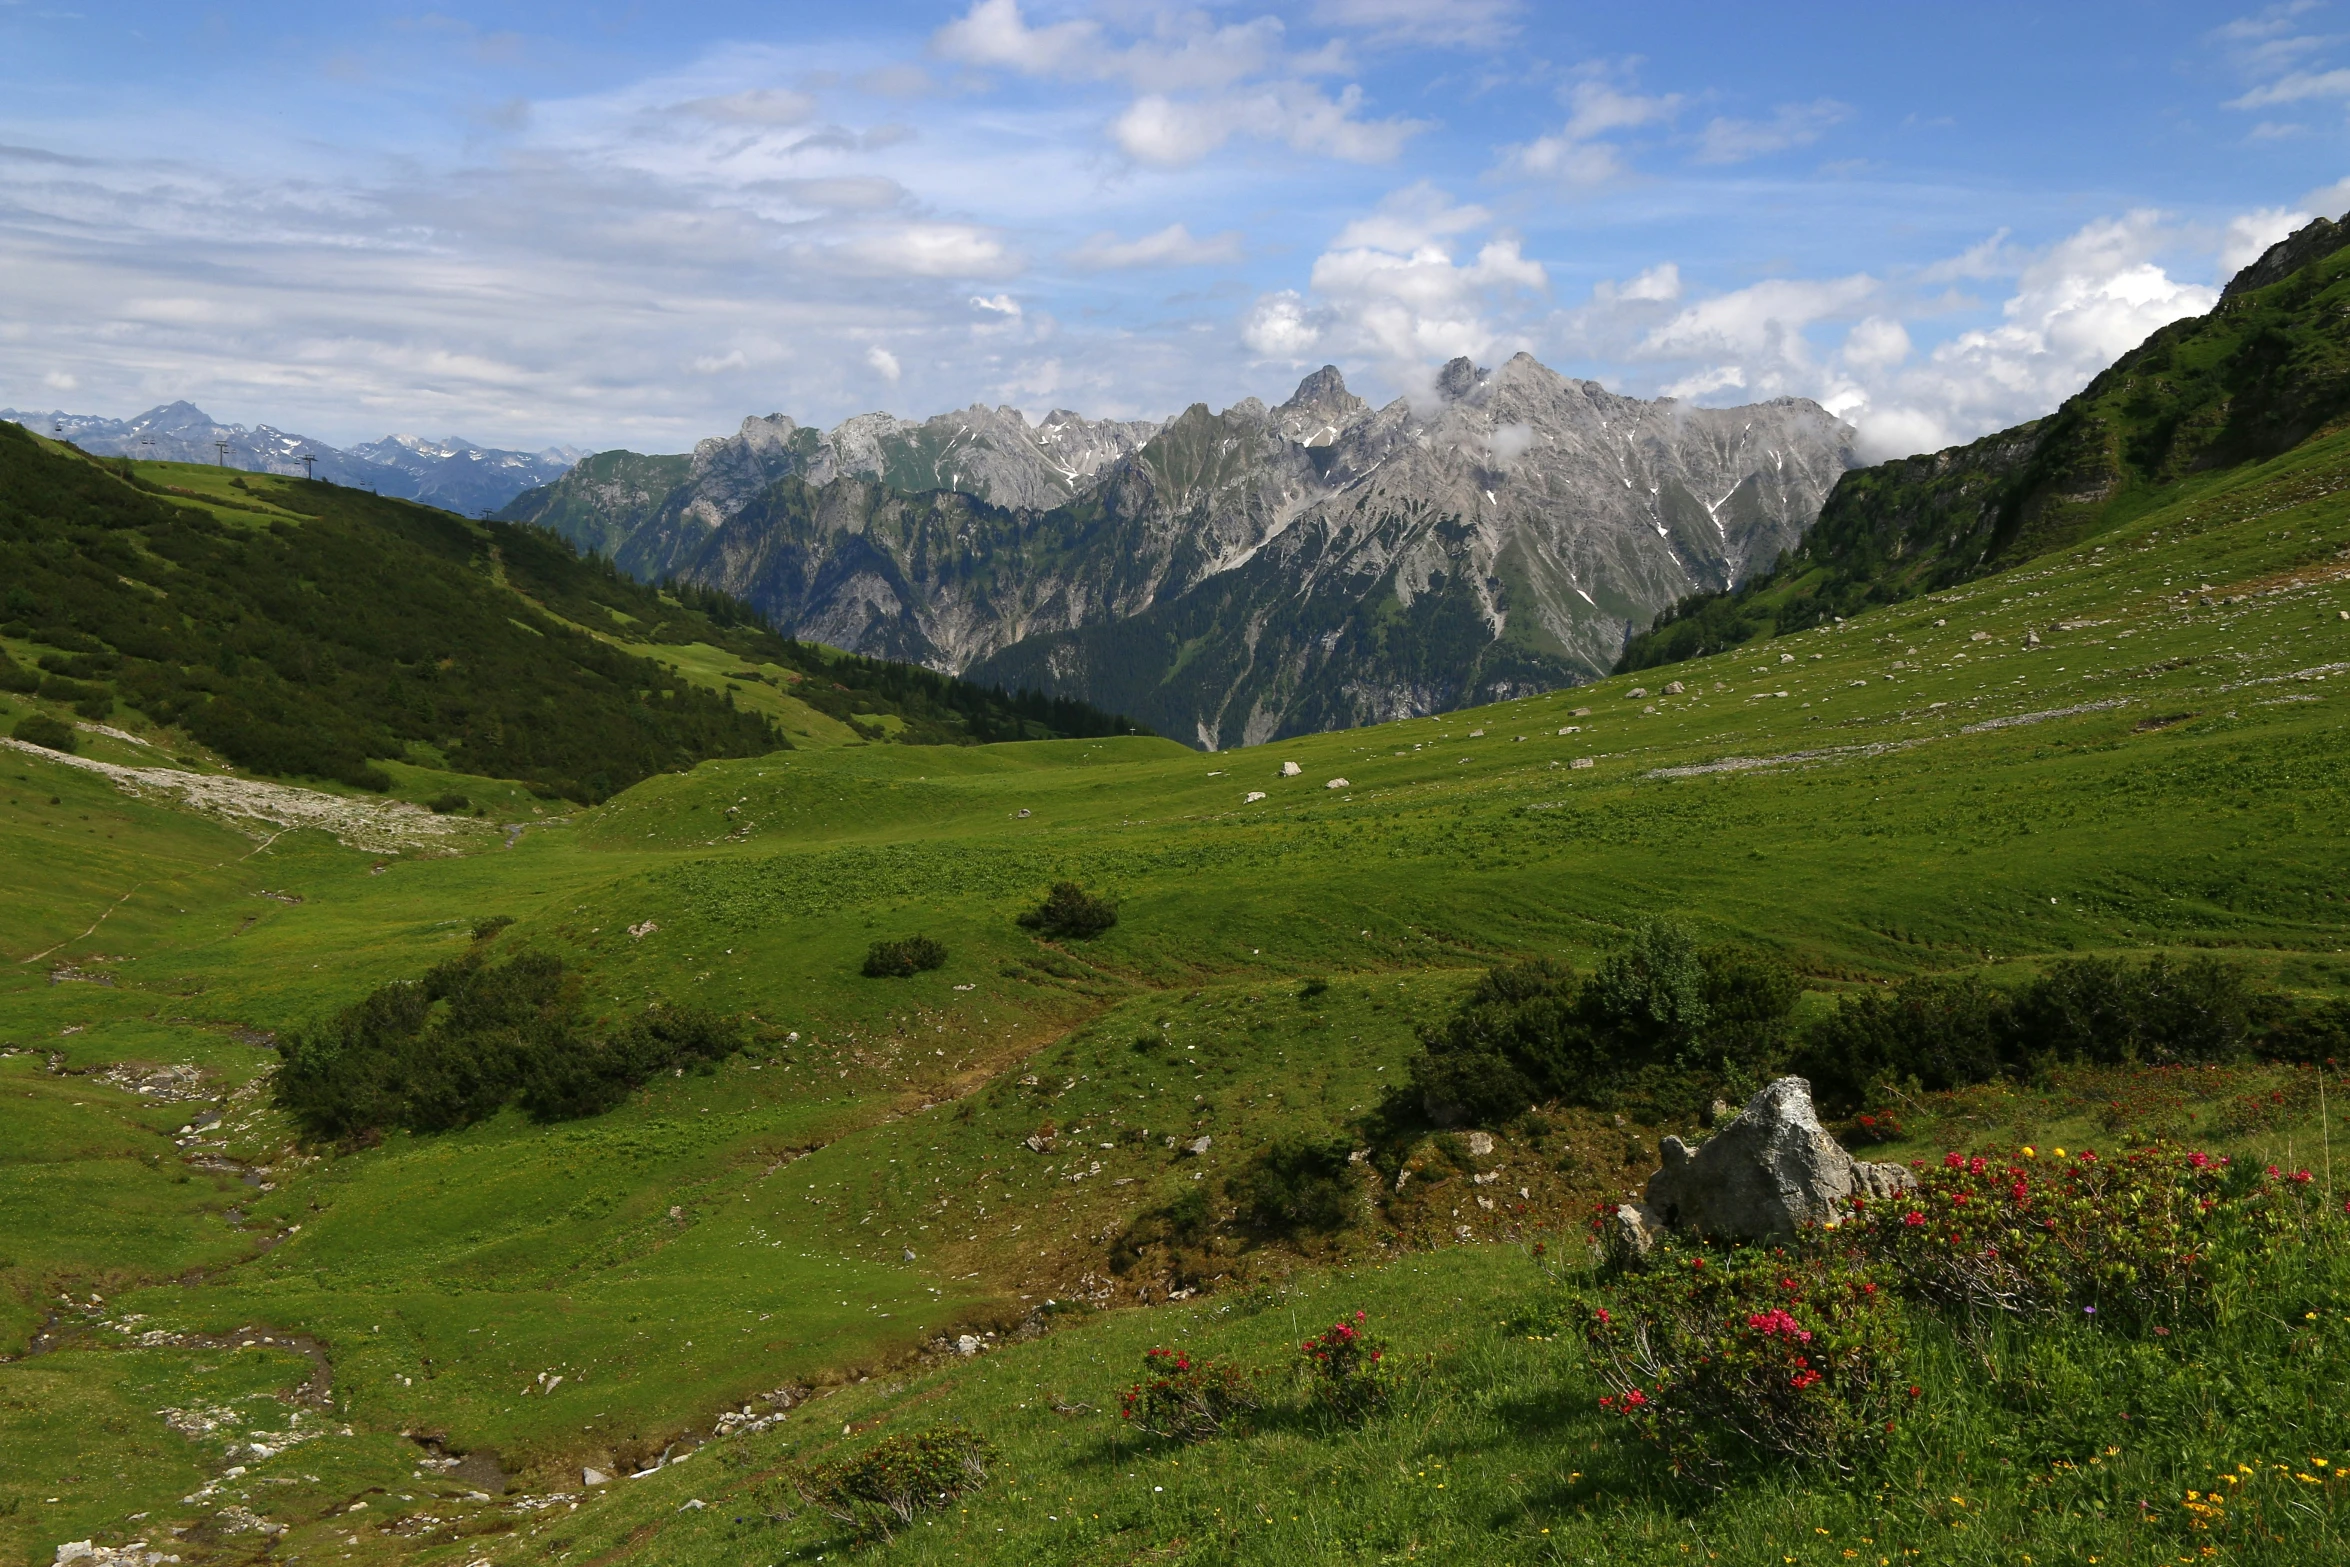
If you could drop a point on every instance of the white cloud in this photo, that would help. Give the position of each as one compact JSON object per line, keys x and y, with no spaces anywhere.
{"x":758,"y":106}
{"x":1172,"y":246}
{"x":1875,"y":344}
{"x":2252,"y":233}
{"x":1446,"y":24}
{"x":2077,"y":307}
{"x":1764,"y":320}
{"x":1279,"y":326}
{"x":1575,"y":155}
{"x":946,"y":250}
{"x":997,"y":304}
{"x":1660,"y":284}
{"x":884,"y":362}
{"x":1170,"y":132}
{"x":2329,"y":199}
{"x":718,"y":364}
{"x":2295,"y":87}
{"x":1390,"y":290}
{"x":60,"y":381}
{"x":1793,"y":125}
{"x":1197,"y":84}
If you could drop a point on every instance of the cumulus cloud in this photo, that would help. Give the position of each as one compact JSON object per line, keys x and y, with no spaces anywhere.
{"x":1393,"y":289}
{"x":1444,"y":24}
{"x":2253,"y":232}
{"x":2076,"y":308}
{"x":1793,"y":125}
{"x":1172,"y":246}
{"x":883,"y":362}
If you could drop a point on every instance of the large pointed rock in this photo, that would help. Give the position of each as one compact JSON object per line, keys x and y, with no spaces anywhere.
{"x":1768,"y":1173}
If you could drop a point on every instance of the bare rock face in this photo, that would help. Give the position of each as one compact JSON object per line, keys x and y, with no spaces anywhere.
{"x":1767,"y":1173}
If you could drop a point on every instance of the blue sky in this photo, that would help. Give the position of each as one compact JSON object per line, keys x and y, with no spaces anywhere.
{"x":633,"y":224}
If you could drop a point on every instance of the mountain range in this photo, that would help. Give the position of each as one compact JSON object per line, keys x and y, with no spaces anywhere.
{"x":1232,"y":577}
{"x":453,"y":474}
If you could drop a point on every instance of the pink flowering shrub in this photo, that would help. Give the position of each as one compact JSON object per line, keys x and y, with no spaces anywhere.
{"x":1349,"y":1373}
{"x":1187,"y":1400}
{"x":1716,"y":1356}
{"x":2141,"y":1237}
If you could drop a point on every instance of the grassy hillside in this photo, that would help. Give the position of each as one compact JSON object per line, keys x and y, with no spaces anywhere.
{"x":2127,"y":749}
{"x":2265,"y":370}
{"x":303,"y":629}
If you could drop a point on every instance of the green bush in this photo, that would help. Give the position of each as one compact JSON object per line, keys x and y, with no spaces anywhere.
{"x":472,"y":1037}
{"x":1293,"y":1187}
{"x":484,"y":929}
{"x":1720,"y":1358}
{"x":1662,"y":1021}
{"x":42,"y":730}
{"x":903,"y":958}
{"x":1178,"y":1226}
{"x":1070,"y":911}
{"x":447,"y":804}
{"x":15,"y":677}
{"x":884,"y":1488}
{"x":1947,"y":1031}
{"x":1183,"y":1400}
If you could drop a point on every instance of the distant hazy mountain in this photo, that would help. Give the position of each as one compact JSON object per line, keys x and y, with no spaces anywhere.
{"x":455,"y":474}
{"x":1230,"y":577}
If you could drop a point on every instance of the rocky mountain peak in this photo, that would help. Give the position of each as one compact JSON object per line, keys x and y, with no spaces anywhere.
{"x":1459,"y":378}
{"x":2313,"y":241}
{"x":1320,"y":409}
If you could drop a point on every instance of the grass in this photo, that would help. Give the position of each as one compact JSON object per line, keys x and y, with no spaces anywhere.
{"x":2117,"y":767}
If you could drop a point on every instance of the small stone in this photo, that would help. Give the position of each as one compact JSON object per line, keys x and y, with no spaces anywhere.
{"x":966,"y":1346}
{"x":594,"y":1477}
{"x":1290,"y":769}
{"x":1253,"y":796}
{"x":1786,"y":658}
{"x":1199,"y":1145}
{"x":1675,"y":688}
{"x":1337,"y":783}
{"x":1637,"y":692}
{"x":1582,"y":761}
{"x":1480,"y":1144}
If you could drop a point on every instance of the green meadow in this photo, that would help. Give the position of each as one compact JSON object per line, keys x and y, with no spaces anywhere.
{"x":2133,"y":746}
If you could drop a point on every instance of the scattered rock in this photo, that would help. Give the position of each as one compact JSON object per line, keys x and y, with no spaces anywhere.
{"x":1637,"y":692}
{"x":1582,"y":761}
{"x":640,"y":931}
{"x":966,"y":1345}
{"x":1480,"y":1144}
{"x":1290,"y":769}
{"x":1335,"y":783}
{"x":1675,"y":688}
{"x":594,"y":1477}
{"x":1253,"y":796}
{"x":1769,"y":1172}
{"x":1786,"y":658}
{"x":1199,"y":1145}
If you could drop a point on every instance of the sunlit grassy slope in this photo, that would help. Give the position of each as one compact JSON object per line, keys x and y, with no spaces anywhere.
{"x":2135,"y":744}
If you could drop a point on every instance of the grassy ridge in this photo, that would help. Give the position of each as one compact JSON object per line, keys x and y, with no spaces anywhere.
{"x":2118,"y":766}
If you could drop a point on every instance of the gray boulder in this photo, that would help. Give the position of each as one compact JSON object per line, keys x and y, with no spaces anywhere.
{"x":1766,"y":1174}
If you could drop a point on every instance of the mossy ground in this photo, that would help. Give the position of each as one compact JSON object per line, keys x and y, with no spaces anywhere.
{"x":2117,"y":766}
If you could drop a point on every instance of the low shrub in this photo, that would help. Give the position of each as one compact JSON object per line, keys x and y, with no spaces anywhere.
{"x":1662,"y":1022}
{"x":2142,"y":1238}
{"x":884,"y":1488}
{"x":1070,"y":911}
{"x":1177,"y":1227}
{"x":484,"y":929}
{"x":42,"y":730}
{"x":903,"y":958}
{"x":15,"y":677}
{"x":1948,"y":1031}
{"x":472,"y":1037}
{"x":1296,"y":1186}
{"x":448,"y":804}
{"x":1723,"y":1357}
{"x":1183,"y":1400}
{"x":1349,"y":1376}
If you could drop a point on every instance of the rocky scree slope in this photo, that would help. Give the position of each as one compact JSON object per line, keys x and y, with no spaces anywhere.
{"x":1232,"y":577}
{"x":2267,"y":368}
